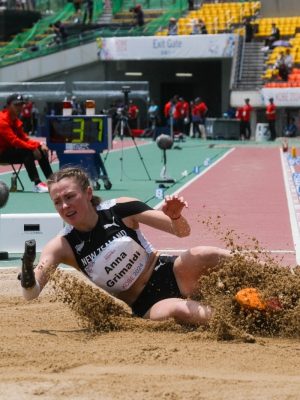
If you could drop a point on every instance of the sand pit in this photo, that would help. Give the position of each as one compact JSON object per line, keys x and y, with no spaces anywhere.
{"x":49,"y":351}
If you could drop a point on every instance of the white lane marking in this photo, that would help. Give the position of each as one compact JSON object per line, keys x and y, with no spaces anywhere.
{"x":291,"y":200}
{"x":199,"y":175}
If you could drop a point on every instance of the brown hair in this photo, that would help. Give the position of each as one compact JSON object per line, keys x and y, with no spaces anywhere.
{"x":80,"y":177}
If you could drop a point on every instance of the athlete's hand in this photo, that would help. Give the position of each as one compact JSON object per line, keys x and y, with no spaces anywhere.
{"x":173,"y":206}
{"x":44,"y":147}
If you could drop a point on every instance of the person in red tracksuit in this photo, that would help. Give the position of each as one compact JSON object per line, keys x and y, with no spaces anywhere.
{"x":245,"y":120}
{"x":199,"y":112}
{"x":133,"y":112}
{"x":17,"y":148}
{"x":26,"y":116}
{"x":185,"y":115}
{"x":238,"y":115}
{"x":271,"y":118}
{"x":179,"y":115}
{"x":172,"y":112}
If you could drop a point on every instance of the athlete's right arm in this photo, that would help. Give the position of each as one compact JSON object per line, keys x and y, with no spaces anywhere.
{"x":55,"y":252}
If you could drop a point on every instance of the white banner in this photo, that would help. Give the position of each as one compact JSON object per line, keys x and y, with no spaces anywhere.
{"x":283,"y":97}
{"x":167,"y":47}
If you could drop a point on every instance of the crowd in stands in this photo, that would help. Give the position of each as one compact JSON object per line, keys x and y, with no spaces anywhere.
{"x":274,"y":36}
{"x":138,"y":15}
{"x":60,"y":33}
{"x":83,"y":11}
{"x":198,"y":27}
{"x":83,"y":8}
{"x":216,"y":17}
{"x":284,"y":64}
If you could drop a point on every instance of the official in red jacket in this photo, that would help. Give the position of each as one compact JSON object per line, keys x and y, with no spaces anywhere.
{"x":271,"y":118}
{"x":16,"y":147}
{"x":245,"y":120}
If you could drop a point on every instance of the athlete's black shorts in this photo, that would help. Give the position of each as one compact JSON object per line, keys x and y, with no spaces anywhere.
{"x":161,"y":285}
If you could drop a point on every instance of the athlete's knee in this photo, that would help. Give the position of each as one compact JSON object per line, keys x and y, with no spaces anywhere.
{"x":190,"y":312}
{"x":210,"y":255}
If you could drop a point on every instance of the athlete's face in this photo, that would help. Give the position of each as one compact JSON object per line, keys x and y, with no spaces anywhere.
{"x":72,"y":204}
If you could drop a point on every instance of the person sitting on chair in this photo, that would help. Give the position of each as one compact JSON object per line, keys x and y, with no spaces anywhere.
{"x":17,"y":148}
{"x":290,"y":130}
{"x":274,"y":36}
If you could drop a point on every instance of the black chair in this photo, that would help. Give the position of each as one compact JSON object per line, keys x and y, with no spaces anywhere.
{"x":16,"y":171}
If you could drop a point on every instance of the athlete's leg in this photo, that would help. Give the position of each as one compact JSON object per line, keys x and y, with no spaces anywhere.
{"x":195,"y":262}
{"x":203,"y":131}
{"x":184,"y":311}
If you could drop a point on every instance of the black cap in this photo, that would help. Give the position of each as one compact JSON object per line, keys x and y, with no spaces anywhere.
{"x":15,"y":98}
{"x":271,"y":99}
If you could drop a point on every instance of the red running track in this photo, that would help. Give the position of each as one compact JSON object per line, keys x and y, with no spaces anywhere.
{"x":246,"y":189}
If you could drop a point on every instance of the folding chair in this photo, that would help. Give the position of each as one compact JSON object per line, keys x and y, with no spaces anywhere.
{"x":16,"y":171}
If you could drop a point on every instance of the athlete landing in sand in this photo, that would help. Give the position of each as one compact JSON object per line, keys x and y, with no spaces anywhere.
{"x":103,"y":240}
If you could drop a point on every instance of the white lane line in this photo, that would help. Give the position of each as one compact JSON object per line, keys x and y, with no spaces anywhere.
{"x":199,"y":175}
{"x":291,"y":200}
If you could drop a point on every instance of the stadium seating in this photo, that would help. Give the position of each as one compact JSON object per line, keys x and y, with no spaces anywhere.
{"x":293,"y":80}
{"x":271,"y":73}
{"x":286,"y":25}
{"x":218,"y":17}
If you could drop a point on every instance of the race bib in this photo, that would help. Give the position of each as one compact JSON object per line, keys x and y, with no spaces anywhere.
{"x":119,"y":265}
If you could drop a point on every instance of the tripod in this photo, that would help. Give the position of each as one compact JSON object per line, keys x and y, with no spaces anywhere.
{"x":120,"y":127}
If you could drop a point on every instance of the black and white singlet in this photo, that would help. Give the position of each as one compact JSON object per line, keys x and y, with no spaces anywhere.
{"x":112,"y":255}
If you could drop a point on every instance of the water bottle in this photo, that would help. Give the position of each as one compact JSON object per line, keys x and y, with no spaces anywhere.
{"x":206,"y":162}
{"x":13,"y":183}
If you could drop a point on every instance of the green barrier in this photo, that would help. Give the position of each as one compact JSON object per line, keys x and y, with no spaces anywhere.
{"x":49,"y":5}
{"x":149,"y":4}
{"x":19,"y":48}
{"x":14,"y":51}
{"x":177,"y":9}
{"x":117,"y":6}
{"x":39,"y":28}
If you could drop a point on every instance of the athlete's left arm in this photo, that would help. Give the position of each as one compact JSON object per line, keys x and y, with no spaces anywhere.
{"x":168,"y":219}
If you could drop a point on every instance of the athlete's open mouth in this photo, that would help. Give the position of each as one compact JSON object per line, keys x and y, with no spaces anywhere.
{"x":70,"y":214}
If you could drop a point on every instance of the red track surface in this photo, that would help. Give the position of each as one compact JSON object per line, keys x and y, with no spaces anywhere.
{"x":247,"y":190}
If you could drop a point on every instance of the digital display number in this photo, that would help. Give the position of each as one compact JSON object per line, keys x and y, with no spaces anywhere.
{"x":79,"y":128}
{"x":76,"y":130}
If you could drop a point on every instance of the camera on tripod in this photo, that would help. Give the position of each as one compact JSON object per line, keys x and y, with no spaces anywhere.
{"x":122,"y":112}
{"x":126,"y":90}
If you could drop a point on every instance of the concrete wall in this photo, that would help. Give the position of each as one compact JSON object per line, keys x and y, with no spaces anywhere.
{"x":53,"y":63}
{"x":280,"y":8}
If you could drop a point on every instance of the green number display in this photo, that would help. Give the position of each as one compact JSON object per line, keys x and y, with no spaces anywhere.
{"x":79,"y":130}
{"x":99,"y":122}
